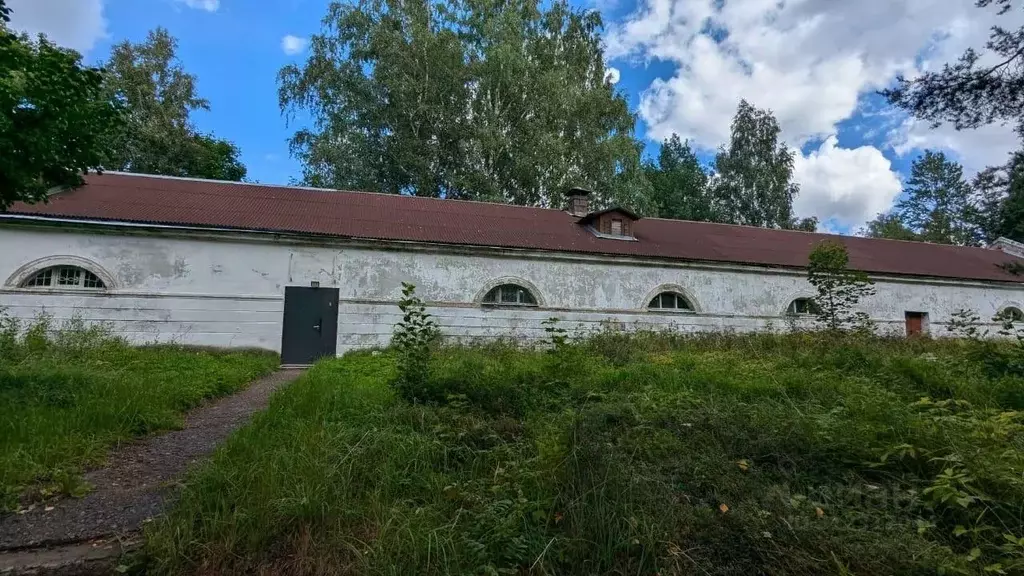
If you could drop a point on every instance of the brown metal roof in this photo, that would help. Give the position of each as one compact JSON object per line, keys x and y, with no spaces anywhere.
{"x":159,"y":200}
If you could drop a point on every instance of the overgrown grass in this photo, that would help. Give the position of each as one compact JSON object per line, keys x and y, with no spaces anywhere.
{"x":68,"y":393}
{"x":646,"y":454}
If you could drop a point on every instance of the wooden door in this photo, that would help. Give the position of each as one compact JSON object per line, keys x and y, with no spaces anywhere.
{"x":915,"y":323}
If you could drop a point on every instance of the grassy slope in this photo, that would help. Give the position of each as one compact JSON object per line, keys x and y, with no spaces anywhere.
{"x":741,"y":455}
{"x":64,"y":401}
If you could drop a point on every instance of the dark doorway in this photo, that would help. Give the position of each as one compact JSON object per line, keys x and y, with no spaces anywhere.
{"x":915,"y":323}
{"x":310,"y":324}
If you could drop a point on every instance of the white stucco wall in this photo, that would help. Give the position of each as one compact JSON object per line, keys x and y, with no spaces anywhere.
{"x":229,"y":292}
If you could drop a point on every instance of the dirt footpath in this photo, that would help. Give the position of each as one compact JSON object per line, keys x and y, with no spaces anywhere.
{"x":133,"y":488}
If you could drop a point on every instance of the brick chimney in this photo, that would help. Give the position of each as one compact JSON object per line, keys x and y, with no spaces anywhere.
{"x":579,"y":201}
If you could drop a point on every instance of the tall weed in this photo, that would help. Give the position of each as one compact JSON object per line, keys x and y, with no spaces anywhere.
{"x":649,"y":453}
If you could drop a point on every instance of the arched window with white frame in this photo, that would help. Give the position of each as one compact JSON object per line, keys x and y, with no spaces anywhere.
{"x":64,"y":277}
{"x":509,"y":294}
{"x":670,"y":302}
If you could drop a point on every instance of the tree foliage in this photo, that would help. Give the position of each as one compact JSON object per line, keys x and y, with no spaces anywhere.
{"x":938,"y":204}
{"x":1009,"y":220}
{"x":978,"y":89}
{"x":889,"y":225}
{"x":983,"y":86}
{"x":809,"y":224}
{"x":464,"y":99}
{"x":54,"y":118}
{"x":839,"y":288}
{"x":753,"y":181}
{"x":679,"y":183}
{"x":159,"y":97}
{"x":1000,"y":190}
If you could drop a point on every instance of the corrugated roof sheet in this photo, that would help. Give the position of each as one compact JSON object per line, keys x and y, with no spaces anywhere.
{"x":159,"y":200}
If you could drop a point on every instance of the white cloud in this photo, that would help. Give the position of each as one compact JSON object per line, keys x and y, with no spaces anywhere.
{"x":76,"y":24}
{"x":845,"y":186}
{"x":810,"y":62}
{"x":293,"y":45}
{"x":975,"y":149}
{"x":208,"y":5}
{"x":612,"y":75}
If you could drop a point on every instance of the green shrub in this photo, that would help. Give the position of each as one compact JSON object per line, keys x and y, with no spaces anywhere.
{"x":414,"y":335}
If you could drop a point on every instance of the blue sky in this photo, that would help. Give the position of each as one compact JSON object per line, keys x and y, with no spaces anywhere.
{"x":816,"y":63}
{"x":236,"y":53}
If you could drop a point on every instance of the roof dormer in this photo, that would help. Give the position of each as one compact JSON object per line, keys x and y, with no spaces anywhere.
{"x":613,"y":223}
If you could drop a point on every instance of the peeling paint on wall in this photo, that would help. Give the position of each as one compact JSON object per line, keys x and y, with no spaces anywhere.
{"x":220,"y":292}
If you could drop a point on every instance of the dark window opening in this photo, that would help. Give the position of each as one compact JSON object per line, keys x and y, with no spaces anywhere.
{"x":803,"y":307}
{"x":510,"y":295}
{"x":670,"y":301}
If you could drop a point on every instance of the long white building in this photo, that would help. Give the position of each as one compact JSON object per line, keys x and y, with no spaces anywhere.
{"x":320,"y":271}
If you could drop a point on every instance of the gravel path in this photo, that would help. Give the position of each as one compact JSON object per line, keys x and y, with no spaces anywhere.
{"x":139,"y":476}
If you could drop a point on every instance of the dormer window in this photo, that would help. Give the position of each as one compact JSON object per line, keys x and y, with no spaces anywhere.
{"x":612,"y":224}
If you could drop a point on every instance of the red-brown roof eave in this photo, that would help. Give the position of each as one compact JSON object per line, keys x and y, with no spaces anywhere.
{"x":141,"y":199}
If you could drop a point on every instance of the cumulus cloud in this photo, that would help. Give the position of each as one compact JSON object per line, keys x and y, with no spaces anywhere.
{"x":292,"y":45}
{"x":975,"y":149}
{"x":76,"y":24}
{"x":612,"y":75}
{"x":810,"y":62}
{"x":846,"y":187}
{"x":208,"y":5}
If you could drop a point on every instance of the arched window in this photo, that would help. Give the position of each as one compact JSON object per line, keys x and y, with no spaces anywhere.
{"x":670,"y":301}
{"x":509,"y":295}
{"x":69,"y":277}
{"x":802,"y":307}
{"x":1011,"y":313}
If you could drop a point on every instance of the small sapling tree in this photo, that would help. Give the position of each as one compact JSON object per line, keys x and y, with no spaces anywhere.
{"x":558,"y":337}
{"x":412,"y":340}
{"x":839,"y":288}
{"x":965,"y":323}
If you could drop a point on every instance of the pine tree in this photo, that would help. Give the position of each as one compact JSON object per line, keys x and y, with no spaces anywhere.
{"x":839,"y":288}
{"x":969,"y":93}
{"x":937,"y":203}
{"x":1011,"y":210}
{"x":1001,"y":199}
{"x":753,"y":180}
